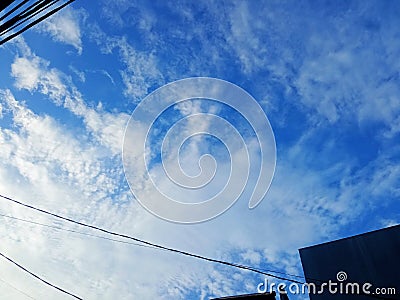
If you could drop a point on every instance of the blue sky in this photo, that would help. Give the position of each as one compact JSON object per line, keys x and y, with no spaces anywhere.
{"x":326,"y":74}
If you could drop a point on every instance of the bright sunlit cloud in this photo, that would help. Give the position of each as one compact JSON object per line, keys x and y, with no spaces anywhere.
{"x":328,"y":84}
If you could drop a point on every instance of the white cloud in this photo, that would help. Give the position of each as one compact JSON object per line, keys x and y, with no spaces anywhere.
{"x":67,"y":177}
{"x":40,"y":144}
{"x":45,"y":164}
{"x":107,"y":128}
{"x":105,"y":73}
{"x":139,"y":72}
{"x":27,"y":72}
{"x":328,"y":84}
{"x":116,"y":11}
{"x":389,"y":222}
{"x":253,"y":257}
{"x":84,"y":194}
{"x":32,"y":73}
{"x":64,"y":27}
{"x":347,"y":72}
{"x":79,"y":74}
{"x":245,"y":37}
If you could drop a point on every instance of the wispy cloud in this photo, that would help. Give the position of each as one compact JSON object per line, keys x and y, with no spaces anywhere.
{"x":60,"y":89}
{"x":139,"y":71}
{"x":330,"y":80}
{"x":79,"y":74}
{"x":94,"y":180}
{"x":65,"y":27}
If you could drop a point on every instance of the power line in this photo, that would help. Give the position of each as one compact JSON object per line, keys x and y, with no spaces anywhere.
{"x":118,"y":241}
{"x":39,"y":278}
{"x":74,"y":231}
{"x":185,"y":253}
{"x":123,"y":242}
{"x":22,"y":15}
{"x":18,"y":290}
{"x":200,"y":257}
{"x":13,"y":9}
{"x":27,"y":14}
{"x":5,"y":3}
{"x":35,"y":22}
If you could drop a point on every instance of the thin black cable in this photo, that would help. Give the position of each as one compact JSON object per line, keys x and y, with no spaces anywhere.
{"x":20,"y":16}
{"x":243,"y":267}
{"x":30,"y":8}
{"x":29,"y":15}
{"x":13,"y":10}
{"x":39,"y":278}
{"x":74,"y":231}
{"x":35,"y":22}
{"x":34,"y":7}
{"x":18,"y":290}
{"x":5,"y":3}
{"x":119,"y":241}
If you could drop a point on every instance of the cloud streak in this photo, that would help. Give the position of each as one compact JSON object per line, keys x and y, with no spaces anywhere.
{"x":65,"y":27}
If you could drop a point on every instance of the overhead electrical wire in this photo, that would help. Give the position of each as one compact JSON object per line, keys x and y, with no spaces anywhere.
{"x":185,"y":253}
{"x":21,"y":15}
{"x":73,"y":231}
{"x":5,"y":3}
{"x":118,"y":241}
{"x":19,"y":18}
{"x":123,"y":242}
{"x":17,"y":289}
{"x":39,"y":278}
{"x":25,"y":15}
{"x":13,"y":9}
